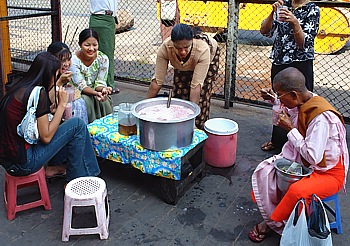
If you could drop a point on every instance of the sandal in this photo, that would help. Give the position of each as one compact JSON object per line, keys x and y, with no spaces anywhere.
{"x":256,"y":235}
{"x":115,"y":91}
{"x":268,"y":146}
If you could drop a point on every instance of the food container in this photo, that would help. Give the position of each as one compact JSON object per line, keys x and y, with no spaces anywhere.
{"x":163,"y":134}
{"x":221,"y":144}
{"x":284,"y":179}
{"x":126,"y":120}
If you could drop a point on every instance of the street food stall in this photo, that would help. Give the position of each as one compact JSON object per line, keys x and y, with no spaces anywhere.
{"x":175,"y":166}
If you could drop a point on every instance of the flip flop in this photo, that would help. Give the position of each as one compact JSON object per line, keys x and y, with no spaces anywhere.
{"x":268,"y":146}
{"x":115,"y":91}
{"x":256,"y":235}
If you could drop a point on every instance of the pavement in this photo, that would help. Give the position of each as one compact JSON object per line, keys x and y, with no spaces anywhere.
{"x":213,"y":210}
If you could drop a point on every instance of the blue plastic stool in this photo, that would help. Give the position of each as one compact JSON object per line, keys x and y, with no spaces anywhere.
{"x":335,"y":212}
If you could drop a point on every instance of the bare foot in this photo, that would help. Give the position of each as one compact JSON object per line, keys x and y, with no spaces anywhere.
{"x":54,"y":170}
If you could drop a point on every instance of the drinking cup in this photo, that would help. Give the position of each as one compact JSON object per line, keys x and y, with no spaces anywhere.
{"x":70,"y":91}
{"x":68,"y":111}
{"x":278,"y":17}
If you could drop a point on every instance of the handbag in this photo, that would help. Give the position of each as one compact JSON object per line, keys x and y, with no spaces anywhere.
{"x":28,"y":128}
{"x":295,"y":231}
{"x":318,"y":224}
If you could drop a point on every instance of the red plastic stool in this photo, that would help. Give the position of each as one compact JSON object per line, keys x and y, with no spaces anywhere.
{"x":13,"y":183}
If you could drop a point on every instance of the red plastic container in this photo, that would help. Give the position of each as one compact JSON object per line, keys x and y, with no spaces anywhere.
{"x":221,"y":145}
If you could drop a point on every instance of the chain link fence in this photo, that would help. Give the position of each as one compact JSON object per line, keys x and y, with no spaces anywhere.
{"x":141,"y":33}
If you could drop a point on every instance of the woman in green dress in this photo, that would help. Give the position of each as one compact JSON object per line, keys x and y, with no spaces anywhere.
{"x":90,"y":70}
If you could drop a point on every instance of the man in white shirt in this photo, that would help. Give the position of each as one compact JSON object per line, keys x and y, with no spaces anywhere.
{"x":103,"y":19}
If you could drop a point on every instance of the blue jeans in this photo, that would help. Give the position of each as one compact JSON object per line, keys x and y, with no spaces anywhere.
{"x":70,"y":143}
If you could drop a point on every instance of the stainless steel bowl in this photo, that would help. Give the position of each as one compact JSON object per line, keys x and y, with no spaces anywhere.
{"x":161,"y":135}
{"x":284,"y":180}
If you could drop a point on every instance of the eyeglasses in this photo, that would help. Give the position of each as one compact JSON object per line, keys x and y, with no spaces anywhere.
{"x":278,"y":97}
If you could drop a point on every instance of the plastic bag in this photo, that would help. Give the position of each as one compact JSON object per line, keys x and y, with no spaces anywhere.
{"x":318,"y":224}
{"x":168,"y":12}
{"x":296,"y":231}
{"x":277,"y":109}
{"x":312,"y":230}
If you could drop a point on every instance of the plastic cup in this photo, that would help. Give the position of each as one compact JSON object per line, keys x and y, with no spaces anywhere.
{"x":278,"y":13}
{"x":70,"y":91}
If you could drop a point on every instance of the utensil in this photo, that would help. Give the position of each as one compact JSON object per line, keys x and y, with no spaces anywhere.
{"x":169,"y":99}
{"x":268,"y":93}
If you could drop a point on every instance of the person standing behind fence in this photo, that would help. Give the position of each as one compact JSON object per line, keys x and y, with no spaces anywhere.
{"x":103,"y":20}
{"x":195,"y":58}
{"x":296,"y":27}
{"x":90,"y":68}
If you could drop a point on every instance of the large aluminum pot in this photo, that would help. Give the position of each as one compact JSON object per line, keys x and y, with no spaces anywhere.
{"x":161,"y":135}
{"x":284,"y":179}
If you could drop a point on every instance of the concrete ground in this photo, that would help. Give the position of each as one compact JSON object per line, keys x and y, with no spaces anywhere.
{"x":214,"y":210}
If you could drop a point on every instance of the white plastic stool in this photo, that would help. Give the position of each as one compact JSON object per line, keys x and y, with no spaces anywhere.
{"x":86,"y":191}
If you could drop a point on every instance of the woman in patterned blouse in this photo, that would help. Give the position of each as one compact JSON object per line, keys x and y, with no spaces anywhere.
{"x":296,"y":27}
{"x":90,"y":69}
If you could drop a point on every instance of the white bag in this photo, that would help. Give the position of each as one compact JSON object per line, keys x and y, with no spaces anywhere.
{"x":167,"y":9}
{"x":295,"y":231}
{"x":28,"y":128}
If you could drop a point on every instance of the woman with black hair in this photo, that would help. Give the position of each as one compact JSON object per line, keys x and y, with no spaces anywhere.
{"x":68,"y":141}
{"x":195,"y":58}
{"x":62,"y":52}
{"x":296,"y":24}
{"x":90,"y":71}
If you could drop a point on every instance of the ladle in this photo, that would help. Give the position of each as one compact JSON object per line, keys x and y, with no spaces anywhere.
{"x":169,"y":99}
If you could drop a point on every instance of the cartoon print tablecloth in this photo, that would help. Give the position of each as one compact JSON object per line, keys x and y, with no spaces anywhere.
{"x":111,"y":145}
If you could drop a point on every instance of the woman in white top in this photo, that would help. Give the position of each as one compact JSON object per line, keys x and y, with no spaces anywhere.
{"x":90,"y":69}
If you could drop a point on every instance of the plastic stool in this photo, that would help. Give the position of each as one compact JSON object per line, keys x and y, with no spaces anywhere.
{"x":86,"y":191}
{"x":335,"y":212}
{"x":13,"y":183}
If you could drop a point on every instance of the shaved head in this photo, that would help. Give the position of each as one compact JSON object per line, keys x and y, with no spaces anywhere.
{"x":290,"y":79}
